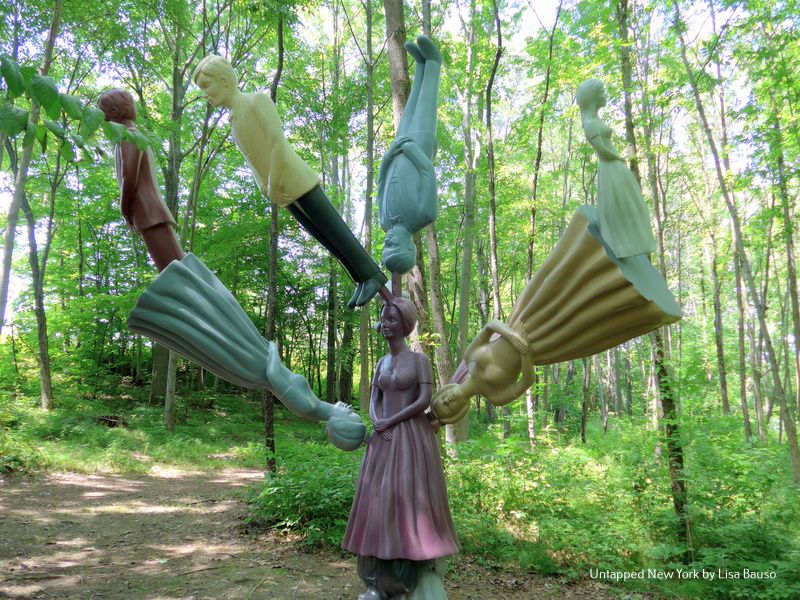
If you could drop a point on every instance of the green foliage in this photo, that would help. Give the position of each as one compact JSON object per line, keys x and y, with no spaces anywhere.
{"x":215,"y":431}
{"x":560,"y":508}
{"x":13,"y":120}
{"x":12,"y":74}
{"x":310,"y":494}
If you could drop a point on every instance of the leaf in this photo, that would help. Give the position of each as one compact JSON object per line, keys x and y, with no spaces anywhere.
{"x":45,"y":91}
{"x":41,"y":135}
{"x":13,"y":76}
{"x":77,"y":140}
{"x":72,"y":106}
{"x":92,"y":119}
{"x":12,"y":120}
{"x":114,"y":131}
{"x":55,"y":128}
{"x":140,"y":139}
{"x":67,"y":151}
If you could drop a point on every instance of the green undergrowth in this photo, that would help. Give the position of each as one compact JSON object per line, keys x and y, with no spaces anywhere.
{"x":213,"y":431}
{"x":560,"y":508}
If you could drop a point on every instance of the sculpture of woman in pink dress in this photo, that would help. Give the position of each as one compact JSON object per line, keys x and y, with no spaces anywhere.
{"x":400,"y":521}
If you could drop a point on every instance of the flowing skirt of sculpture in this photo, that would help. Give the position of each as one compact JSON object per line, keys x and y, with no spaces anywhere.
{"x":400,"y":508}
{"x":624,"y":218}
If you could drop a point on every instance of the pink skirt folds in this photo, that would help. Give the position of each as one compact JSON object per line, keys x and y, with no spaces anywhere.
{"x":400,"y":509}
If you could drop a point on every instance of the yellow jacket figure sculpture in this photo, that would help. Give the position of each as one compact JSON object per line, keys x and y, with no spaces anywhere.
{"x":282,"y":176}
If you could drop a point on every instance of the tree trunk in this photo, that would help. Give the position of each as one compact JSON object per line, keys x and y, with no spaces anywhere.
{"x":537,"y":162}
{"x":365,"y":323}
{"x":496,"y":311}
{"x":718,"y":330}
{"x":170,"y":402}
{"x":267,"y":398}
{"x":791,"y":264}
{"x":22,"y":168}
{"x":444,"y":363}
{"x":330,"y":354}
{"x":665,"y":391}
{"x":626,"y":361}
{"x":529,"y":409}
{"x":602,"y":392}
{"x":458,"y":432}
{"x":674,"y":449}
{"x":585,"y":397}
{"x":37,"y":276}
{"x":398,"y":66}
{"x":158,"y":383}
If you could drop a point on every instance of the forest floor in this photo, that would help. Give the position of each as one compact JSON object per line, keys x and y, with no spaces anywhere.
{"x":177,"y":534}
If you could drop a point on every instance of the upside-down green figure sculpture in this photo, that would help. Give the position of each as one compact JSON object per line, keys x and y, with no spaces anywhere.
{"x":407,"y":181}
{"x":189,"y":310}
{"x":283,"y":177}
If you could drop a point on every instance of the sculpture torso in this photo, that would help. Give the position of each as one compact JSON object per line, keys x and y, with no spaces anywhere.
{"x":593,"y":126}
{"x":398,"y":377}
{"x":143,"y":208}
{"x":409,"y":196}
{"x":280,"y":173}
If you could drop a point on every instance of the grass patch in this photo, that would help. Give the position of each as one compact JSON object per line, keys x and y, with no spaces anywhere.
{"x":212,"y":432}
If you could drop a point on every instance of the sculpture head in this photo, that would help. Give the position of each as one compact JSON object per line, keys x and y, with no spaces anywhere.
{"x":117,"y":105}
{"x":345,"y":429}
{"x":398,"y":318}
{"x":214,"y":75}
{"x":449,"y":404}
{"x":399,"y":251}
{"x":591,"y":94}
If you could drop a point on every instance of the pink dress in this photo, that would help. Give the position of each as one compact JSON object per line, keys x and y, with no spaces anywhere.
{"x":400,"y":509}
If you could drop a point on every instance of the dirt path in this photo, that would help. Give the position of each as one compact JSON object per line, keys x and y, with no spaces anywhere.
{"x":180,"y":536}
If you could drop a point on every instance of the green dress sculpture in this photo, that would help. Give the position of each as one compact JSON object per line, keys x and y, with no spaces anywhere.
{"x":407,"y":181}
{"x":624,"y":218}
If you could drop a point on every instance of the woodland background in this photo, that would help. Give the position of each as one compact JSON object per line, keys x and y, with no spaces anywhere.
{"x":675,"y":449}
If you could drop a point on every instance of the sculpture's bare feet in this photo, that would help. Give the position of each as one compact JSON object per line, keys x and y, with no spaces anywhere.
{"x":429,"y":49}
{"x":370,"y":594}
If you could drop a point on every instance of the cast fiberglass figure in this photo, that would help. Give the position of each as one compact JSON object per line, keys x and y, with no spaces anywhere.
{"x":595,"y":290}
{"x":283,"y":177}
{"x":407,"y":181}
{"x":581,"y":301}
{"x":400,"y":525}
{"x":623,"y":216}
{"x":189,"y":310}
{"x":140,"y":200}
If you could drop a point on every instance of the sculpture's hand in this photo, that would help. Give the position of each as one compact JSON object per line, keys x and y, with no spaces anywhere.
{"x":380,"y":425}
{"x":345,"y":428}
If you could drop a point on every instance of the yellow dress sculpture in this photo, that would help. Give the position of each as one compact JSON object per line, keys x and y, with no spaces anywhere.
{"x":581,"y":301}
